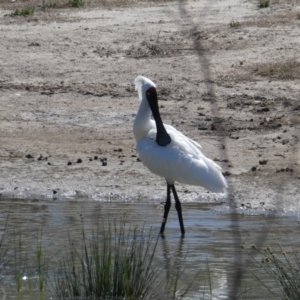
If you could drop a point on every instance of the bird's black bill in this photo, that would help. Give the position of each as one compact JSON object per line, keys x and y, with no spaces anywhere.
{"x":162,"y":137}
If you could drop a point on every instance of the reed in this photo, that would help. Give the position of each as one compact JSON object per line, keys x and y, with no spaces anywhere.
{"x":3,"y":250}
{"x":279,"y":271}
{"x":112,"y":264}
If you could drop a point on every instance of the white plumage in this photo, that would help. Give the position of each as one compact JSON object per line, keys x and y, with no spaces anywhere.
{"x":180,"y":158}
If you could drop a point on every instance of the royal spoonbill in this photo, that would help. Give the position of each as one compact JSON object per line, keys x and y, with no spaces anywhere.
{"x":168,"y":153}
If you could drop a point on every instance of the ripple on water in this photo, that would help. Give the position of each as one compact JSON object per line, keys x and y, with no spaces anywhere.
{"x":213,"y":235}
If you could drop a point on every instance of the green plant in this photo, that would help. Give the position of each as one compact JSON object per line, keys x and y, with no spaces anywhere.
{"x":77,"y":3}
{"x":23,"y":12}
{"x":286,"y":70}
{"x":41,"y":264}
{"x":282,"y":268}
{"x":3,"y":250}
{"x":115,"y":264}
{"x":209,"y":280}
{"x":29,"y":267}
{"x":263,"y":3}
{"x":20,"y":260}
{"x":234,"y":24}
{"x":48,"y":5}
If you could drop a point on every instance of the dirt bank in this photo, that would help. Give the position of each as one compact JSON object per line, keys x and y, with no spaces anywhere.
{"x":227,"y":76}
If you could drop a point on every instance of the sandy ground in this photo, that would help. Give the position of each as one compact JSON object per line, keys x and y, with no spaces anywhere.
{"x":66,"y":82}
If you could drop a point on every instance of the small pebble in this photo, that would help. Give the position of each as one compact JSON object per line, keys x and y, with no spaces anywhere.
{"x":69,"y":163}
{"x":284,"y":142}
{"x":253,"y":169}
{"x":79,"y":160}
{"x":263,"y":109}
{"x":104,"y":163}
{"x":54,"y":192}
{"x":29,"y":156}
{"x":95,"y":157}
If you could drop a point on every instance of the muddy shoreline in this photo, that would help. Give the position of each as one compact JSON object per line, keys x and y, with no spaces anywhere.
{"x":68,"y":101}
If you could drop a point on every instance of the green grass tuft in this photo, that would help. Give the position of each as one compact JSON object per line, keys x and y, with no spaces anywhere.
{"x":282,"y":268}
{"x":115,"y":264}
{"x":286,"y":70}
{"x":234,"y":24}
{"x":263,"y":3}
{"x":42,"y":264}
{"x":23,"y":12}
{"x":77,"y":3}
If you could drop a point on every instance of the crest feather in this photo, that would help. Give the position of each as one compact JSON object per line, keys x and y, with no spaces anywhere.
{"x":142,"y":84}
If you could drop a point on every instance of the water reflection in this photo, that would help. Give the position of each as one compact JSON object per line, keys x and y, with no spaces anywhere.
{"x":208,"y":247}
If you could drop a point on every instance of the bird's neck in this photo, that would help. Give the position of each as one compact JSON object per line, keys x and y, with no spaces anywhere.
{"x":162,"y":136}
{"x":142,"y":122}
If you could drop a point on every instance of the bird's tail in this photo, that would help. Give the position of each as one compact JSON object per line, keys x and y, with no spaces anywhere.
{"x":214,"y":179}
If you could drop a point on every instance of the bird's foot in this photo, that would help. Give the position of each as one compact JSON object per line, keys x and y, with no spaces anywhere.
{"x":162,"y":235}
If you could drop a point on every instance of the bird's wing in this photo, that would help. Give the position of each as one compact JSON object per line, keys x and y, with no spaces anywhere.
{"x":184,"y":144}
{"x":180,"y":161}
{"x":171,"y":129}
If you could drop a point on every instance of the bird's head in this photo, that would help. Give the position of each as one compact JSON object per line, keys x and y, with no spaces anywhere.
{"x":147,"y":94}
{"x":144,"y":85}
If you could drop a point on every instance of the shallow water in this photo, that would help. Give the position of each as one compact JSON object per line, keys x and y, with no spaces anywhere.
{"x":213,"y":238}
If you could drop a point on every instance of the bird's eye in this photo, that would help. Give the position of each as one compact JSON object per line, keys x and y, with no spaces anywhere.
{"x":148,"y":94}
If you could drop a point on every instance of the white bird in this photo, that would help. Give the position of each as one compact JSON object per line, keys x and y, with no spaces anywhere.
{"x":168,"y":153}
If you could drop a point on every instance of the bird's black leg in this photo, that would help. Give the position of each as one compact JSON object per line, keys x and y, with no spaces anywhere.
{"x":178,"y":208}
{"x":167,"y":209}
